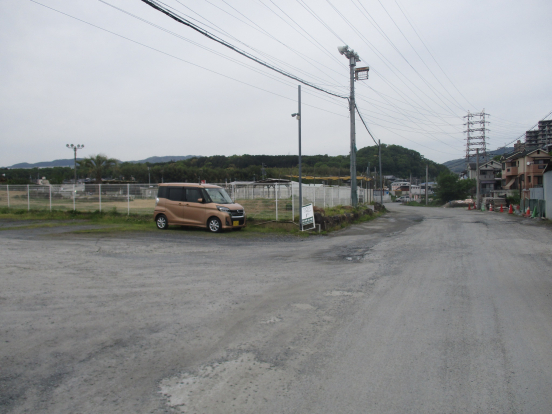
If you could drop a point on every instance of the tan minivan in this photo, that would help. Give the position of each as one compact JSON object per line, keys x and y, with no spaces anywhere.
{"x":197,"y":205}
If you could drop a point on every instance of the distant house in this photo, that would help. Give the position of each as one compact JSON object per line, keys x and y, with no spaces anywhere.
{"x":400,"y":186}
{"x":489,"y":176}
{"x":523,"y":170}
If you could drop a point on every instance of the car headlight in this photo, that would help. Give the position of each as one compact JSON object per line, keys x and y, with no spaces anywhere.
{"x":223,"y":209}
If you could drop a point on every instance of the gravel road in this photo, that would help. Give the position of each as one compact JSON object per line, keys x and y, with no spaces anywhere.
{"x":425,"y":310}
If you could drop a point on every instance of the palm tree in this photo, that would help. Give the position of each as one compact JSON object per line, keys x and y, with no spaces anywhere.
{"x":96,"y":165}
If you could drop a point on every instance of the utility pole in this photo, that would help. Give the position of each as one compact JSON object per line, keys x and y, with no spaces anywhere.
{"x":477,"y":195}
{"x":298,"y":117}
{"x":353,"y":59}
{"x":368,"y":183}
{"x":75,"y":148}
{"x":410,"y":188}
{"x":381,"y":175}
{"x":427,"y":179}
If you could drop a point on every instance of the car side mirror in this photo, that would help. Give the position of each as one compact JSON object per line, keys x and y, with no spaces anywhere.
{"x":200,"y":200}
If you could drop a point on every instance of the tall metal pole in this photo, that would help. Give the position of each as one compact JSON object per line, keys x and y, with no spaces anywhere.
{"x":381,"y":176}
{"x":75,"y":148}
{"x":354,"y":195}
{"x":297,"y":115}
{"x":300,"y":179}
{"x":75,"y":151}
{"x":477,"y":195}
{"x":427,"y":179}
{"x":368,"y":182}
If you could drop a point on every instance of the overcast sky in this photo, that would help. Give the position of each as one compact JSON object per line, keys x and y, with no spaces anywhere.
{"x":133,"y":83}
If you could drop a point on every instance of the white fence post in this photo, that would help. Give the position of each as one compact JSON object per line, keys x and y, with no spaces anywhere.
{"x":276,"y":196}
{"x":100,"y":194}
{"x":28,"y":199}
{"x":128,"y":199}
{"x":8,"y":189}
{"x":50,"y":198}
{"x":292,"y":206}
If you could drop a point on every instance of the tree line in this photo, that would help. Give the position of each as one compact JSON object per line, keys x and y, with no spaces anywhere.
{"x":396,"y":160}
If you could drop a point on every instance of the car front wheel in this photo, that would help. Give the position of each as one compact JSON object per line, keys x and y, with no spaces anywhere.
{"x":162,"y":223}
{"x":214,"y":225}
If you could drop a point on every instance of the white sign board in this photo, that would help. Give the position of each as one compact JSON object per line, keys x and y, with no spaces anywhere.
{"x":307,"y":216}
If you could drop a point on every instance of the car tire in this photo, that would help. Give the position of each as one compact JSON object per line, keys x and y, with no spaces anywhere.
{"x":162,"y":222}
{"x":214,"y":225}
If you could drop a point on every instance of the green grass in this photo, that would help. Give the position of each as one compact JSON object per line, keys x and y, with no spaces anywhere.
{"x":115,"y":222}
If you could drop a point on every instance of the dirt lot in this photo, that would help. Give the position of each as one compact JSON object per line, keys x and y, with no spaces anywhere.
{"x":381,"y":317}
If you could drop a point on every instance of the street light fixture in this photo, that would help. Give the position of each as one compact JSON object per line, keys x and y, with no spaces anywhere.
{"x":75,"y":148}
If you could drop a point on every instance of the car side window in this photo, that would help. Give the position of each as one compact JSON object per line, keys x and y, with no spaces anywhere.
{"x":163,"y":192}
{"x":192,"y":194}
{"x":176,"y":193}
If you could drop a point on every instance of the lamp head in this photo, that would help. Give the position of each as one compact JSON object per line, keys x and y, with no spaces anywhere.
{"x":343,"y":49}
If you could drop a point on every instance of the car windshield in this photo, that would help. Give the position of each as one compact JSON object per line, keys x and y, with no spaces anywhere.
{"x":219,"y":195}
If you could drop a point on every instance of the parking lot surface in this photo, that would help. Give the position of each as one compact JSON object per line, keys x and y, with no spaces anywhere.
{"x":424,"y":310}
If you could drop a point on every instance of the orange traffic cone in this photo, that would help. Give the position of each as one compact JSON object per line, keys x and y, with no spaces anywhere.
{"x":528,"y":212}
{"x":511,"y":209}
{"x":501,"y":208}
{"x":491,"y":207}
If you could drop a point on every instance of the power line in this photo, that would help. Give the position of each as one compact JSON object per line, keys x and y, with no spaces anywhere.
{"x":431,"y":54}
{"x":388,"y":63}
{"x":522,"y":135}
{"x":182,"y":60}
{"x":205,"y":33}
{"x":415,"y":51}
{"x":217,"y":28}
{"x":365,"y":126}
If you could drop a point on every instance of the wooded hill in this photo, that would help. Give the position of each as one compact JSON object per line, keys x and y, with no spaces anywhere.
{"x":396,"y":160}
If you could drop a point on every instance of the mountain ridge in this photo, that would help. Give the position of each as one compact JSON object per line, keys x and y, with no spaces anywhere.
{"x":458,"y":165}
{"x":69,"y":162}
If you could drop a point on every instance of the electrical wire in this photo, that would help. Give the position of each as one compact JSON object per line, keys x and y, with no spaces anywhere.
{"x":182,"y":60}
{"x":205,"y":33}
{"x":365,"y":126}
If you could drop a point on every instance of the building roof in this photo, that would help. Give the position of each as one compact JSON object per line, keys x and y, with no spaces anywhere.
{"x":539,"y":149}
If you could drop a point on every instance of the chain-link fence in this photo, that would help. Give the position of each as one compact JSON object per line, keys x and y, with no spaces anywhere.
{"x":124,"y":198}
{"x":278,"y":201}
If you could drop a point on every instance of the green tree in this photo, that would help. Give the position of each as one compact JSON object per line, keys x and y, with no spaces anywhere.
{"x":97,"y":165}
{"x":450,"y":187}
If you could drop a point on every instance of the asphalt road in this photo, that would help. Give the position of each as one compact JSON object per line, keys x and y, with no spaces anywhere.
{"x":425,"y":310}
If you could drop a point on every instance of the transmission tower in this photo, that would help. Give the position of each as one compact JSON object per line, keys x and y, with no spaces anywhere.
{"x":476,"y":127}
